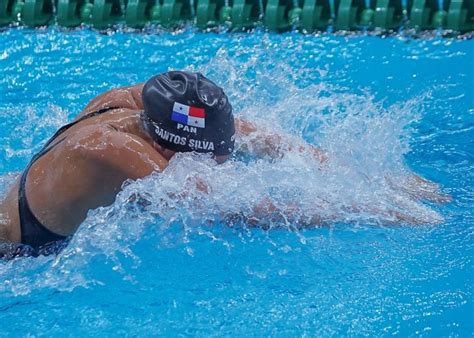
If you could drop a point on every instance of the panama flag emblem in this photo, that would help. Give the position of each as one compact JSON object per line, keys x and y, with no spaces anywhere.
{"x":188,"y":115}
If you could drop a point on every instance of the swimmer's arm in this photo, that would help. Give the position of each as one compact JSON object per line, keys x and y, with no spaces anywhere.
{"x":124,"y":97}
{"x":265,"y":143}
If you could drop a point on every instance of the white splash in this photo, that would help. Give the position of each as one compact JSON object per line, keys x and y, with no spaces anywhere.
{"x":365,"y":181}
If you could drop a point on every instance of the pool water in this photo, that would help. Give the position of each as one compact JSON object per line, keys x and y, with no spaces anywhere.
{"x":380,"y":106}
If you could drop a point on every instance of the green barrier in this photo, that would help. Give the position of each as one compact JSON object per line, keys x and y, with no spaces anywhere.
{"x":420,"y":14}
{"x":135,"y":13}
{"x":225,"y":14}
{"x":367,"y":17}
{"x":36,"y":12}
{"x":6,"y":12}
{"x":388,"y":14}
{"x":426,"y":14}
{"x":17,"y":10}
{"x":155,"y":13}
{"x":68,"y":12}
{"x":140,"y":12}
{"x":209,"y":13}
{"x":276,"y":14}
{"x":348,"y":14}
{"x":245,"y":14}
{"x":439,"y":19}
{"x":101,"y":13}
{"x":279,"y":15}
{"x":315,"y":15}
{"x":173,"y":12}
{"x":294,"y":16}
{"x":461,"y":15}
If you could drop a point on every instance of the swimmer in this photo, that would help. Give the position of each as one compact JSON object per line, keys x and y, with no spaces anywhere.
{"x":126,"y":133}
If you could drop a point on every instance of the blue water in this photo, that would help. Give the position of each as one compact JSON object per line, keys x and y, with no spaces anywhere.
{"x":379,"y":106}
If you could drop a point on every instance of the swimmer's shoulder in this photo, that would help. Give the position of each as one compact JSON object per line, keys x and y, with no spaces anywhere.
{"x":115,"y":151}
{"x":123,"y":97}
{"x":107,"y":112}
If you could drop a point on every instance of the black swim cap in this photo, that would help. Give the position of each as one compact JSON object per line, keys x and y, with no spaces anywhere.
{"x":188,"y":112}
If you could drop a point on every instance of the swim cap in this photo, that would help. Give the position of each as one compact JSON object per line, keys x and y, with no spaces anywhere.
{"x":187,"y":112}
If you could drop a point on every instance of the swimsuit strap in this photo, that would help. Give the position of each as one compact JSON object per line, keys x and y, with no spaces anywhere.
{"x":69,"y":125}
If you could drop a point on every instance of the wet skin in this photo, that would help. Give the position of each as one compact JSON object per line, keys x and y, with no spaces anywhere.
{"x":87,"y":169}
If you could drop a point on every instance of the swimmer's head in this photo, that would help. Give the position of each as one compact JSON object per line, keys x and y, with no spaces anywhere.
{"x":186,"y":112}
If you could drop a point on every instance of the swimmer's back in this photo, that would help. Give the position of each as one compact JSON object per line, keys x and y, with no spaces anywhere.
{"x":83,"y":170}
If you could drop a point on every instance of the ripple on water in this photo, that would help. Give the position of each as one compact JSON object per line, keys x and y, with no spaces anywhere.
{"x":175,"y":266}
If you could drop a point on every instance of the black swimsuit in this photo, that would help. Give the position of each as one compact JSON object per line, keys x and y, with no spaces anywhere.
{"x":33,"y":233}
